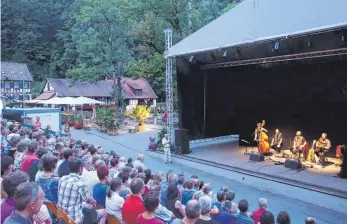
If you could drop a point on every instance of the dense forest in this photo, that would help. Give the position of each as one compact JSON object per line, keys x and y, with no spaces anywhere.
{"x":91,"y":40}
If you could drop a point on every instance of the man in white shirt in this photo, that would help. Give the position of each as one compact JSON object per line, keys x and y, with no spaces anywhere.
{"x":167,"y":152}
{"x":91,"y":177}
{"x":139,"y":161}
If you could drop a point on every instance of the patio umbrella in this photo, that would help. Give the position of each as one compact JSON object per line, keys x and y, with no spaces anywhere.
{"x":58,"y":101}
{"x":86,"y":100}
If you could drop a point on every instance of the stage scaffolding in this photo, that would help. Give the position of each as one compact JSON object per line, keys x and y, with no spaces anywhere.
{"x":169,"y":85}
{"x":291,"y":57}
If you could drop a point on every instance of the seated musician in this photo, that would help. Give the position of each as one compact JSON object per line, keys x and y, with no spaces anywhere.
{"x":277,"y":141}
{"x":322,"y":147}
{"x":299,"y":143}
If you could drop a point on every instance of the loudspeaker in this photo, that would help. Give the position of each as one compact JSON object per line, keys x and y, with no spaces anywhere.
{"x":292,"y":164}
{"x":181,"y":140}
{"x":256,"y":156}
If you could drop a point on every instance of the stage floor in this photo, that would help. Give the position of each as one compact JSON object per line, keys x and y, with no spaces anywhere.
{"x":228,"y":152}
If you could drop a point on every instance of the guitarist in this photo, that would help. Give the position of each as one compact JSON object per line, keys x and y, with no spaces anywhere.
{"x":322,"y":147}
{"x":277,"y":141}
{"x":299,"y":143}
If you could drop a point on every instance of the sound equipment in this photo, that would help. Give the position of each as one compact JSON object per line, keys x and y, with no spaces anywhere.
{"x":182,"y":141}
{"x":256,"y":156}
{"x":292,"y":164}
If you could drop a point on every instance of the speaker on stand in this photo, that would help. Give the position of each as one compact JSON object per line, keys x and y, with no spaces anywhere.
{"x":182,"y":140}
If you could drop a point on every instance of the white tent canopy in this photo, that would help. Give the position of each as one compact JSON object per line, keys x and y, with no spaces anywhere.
{"x":67,"y":101}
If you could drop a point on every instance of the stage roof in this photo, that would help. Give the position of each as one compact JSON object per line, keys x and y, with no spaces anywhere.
{"x":259,"y":20}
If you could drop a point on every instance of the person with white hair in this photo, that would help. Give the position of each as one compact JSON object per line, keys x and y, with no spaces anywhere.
{"x":206,"y":207}
{"x":121,"y":164}
{"x":167,"y":151}
{"x":139,"y":162}
{"x":262,"y":208}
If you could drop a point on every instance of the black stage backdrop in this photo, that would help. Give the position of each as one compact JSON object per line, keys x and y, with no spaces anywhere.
{"x":289,"y":96}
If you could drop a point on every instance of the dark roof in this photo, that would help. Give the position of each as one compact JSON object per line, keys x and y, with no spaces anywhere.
{"x":15,"y":71}
{"x":258,"y":20}
{"x":65,"y":87}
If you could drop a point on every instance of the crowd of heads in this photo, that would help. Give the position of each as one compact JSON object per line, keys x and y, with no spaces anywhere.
{"x":192,"y":197}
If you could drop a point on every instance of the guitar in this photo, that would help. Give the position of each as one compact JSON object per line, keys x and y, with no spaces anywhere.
{"x":310,"y":155}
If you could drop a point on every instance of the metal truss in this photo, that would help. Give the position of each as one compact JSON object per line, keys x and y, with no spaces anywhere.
{"x":169,"y":86}
{"x":292,"y":57}
{"x":202,"y":140}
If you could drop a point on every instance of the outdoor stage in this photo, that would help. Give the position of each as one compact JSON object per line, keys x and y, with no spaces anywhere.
{"x":229,"y":153}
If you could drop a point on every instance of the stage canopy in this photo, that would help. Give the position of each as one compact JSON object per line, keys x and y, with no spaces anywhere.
{"x":254,"y":21}
{"x":67,"y":101}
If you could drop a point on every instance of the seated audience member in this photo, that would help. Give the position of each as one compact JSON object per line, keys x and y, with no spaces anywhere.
{"x":205,"y":190}
{"x":6,"y":166}
{"x":230,"y":196}
{"x":125,"y":191}
{"x":130,"y":162}
{"x":139,"y":162}
{"x":30,"y":156}
{"x":91,"y":177}
{"x":283,"y":218}
{"x":221,"y":197}
{"x":59,"y":149}
{"x":64,"y":168}
{"x":242,"y":217}
{"x":157,"y":179}
{"x":133,"y":175}
{"x":171,"y":180}
{"x":310,"y":220}
{"x":224,"y":216}
{"x":192,"y":211}
{"x":188,"y":192}
{"x":114,"y":168}
{"x":47,"y":181}
{"x":133,"y":205}
{"x":162,"y":212}
{"x":173,"y":202}
{"x":114,"y":202}
{"x":206,"y":205}
{"x":151,"y":203}
{"x":73,"y":192}
{"x":99,"y":192}
{"x":262,"y":208}
{"x":28,"y":201}
{"x":14,"y":140}
{"x":148,"y":180}
{"x":9,"y":186}
{"x":22,"y":149}
{"x":180,"y":185}
{"x":35,"y":169}
{"x":267,"y":218}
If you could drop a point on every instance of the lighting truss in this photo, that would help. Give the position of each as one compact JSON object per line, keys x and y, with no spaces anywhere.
{"x":291,"y":57}
{"x":169,"y":86}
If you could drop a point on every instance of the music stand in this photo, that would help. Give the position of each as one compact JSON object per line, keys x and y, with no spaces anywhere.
{"x":246,"y":150}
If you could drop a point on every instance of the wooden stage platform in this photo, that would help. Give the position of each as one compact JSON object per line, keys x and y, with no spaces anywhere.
{"x":229,"y":153}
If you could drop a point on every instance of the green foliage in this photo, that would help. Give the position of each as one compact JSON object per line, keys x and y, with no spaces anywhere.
{"x":108,"y":118}
{"x":139,"y":113}
{"x":90,"y":40}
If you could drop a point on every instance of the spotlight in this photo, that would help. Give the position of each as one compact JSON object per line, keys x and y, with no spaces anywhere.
{"x":191,"y":58}
{"x":343,"y":38}
{"x":309,"y":43}
{"x":277,"y":45}
{"x":225,"y":54}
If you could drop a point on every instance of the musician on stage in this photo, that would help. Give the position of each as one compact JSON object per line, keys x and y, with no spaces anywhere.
{"x":277,"y":141}
{"x":322,"y":147}
{"x":299,"y":142}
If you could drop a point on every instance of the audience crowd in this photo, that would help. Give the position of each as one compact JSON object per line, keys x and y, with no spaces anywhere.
{"x":90,"y":185}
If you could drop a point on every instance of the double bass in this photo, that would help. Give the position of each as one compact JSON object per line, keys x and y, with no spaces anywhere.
{"x":262,"y":138}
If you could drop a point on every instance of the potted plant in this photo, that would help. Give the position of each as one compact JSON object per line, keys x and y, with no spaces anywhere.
{"x":78,"y":123}
{"x":139,"y":114}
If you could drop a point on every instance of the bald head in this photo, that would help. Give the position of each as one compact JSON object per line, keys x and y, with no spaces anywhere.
{"x":310,"y":220}
{"x":193,"y":210}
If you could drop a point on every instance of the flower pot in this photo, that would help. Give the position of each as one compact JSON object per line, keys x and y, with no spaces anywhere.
{"x":141,"y":128}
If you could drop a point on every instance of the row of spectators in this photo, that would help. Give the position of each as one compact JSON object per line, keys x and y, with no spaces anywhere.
{"x":90,"y":185}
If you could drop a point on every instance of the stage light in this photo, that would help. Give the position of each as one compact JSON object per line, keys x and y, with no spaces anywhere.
{"x":191,"y":58}
{"x":309,"y":43}
{"x":343,"y":38}
{"x":225,"y":54}
{"x":277,"y":45}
